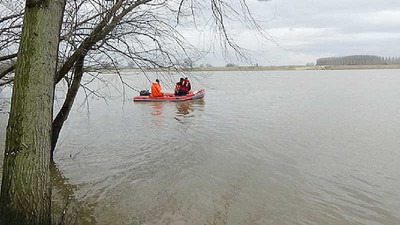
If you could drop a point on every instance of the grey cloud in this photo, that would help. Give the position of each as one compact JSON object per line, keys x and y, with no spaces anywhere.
{"x":307,"y":29}
{"x":332,"y":27}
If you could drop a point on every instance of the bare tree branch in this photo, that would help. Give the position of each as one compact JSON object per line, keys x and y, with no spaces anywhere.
{"x":7,"y":57}
{"x":18,"y":15}
{"x":7,"y":71}
{"x":98,"y":33}
{"x":7,"y":82}
{"x":69,"y":100}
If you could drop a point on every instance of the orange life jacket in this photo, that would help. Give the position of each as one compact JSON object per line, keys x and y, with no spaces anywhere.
{"x":156,"y":90}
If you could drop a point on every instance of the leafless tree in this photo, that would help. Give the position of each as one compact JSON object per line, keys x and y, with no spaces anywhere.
{"x":25,"y":196}
{"x":99,"y":34}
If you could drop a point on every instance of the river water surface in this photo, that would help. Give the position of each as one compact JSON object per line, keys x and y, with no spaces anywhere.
{"x":276,"y":147}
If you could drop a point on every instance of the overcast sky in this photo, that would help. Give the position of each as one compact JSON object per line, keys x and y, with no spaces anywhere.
{"x":308,"y":29}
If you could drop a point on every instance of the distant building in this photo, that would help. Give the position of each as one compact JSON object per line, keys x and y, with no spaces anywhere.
{"x":358,"y":60}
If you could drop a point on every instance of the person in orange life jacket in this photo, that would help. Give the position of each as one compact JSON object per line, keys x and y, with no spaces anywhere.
{"x":156,"y":89}
{"x":178,"y":87}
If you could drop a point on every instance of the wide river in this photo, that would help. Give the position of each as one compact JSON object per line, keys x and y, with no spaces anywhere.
{"x":275,"y":147}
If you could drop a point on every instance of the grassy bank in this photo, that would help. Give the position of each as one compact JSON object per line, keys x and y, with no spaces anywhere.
{"x":271,"y":68}
{"x":268,"y":68}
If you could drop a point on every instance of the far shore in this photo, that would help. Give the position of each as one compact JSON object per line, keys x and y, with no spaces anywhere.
{"x":276,"y":68}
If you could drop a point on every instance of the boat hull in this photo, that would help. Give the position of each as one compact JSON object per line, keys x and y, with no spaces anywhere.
{"x":170,"y":97}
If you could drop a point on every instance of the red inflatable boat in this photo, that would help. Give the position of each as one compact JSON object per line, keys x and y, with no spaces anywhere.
{"x":170,"y":97}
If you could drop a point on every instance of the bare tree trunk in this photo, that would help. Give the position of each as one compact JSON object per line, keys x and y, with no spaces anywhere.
{"x":26,"y":190}
{"x":69,"y":101}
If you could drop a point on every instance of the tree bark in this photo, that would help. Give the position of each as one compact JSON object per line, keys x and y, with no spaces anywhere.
{"x":26,"y":190}
{"x":68,"y":102}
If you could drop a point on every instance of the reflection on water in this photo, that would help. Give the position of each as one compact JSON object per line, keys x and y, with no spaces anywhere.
{"x":157,"y":108}
{"x":187,"y":107}
{"x":183,"y":108}
{"x":65,"y":208}
{"x":163,"y":111}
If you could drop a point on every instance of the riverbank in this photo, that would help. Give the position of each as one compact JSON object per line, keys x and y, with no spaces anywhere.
{"x":272,"y":68}
{"x":267,"y":68}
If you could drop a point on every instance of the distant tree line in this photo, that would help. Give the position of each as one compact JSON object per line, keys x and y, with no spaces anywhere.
{"x":358,"y":60}
{"x":230,"y":65}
